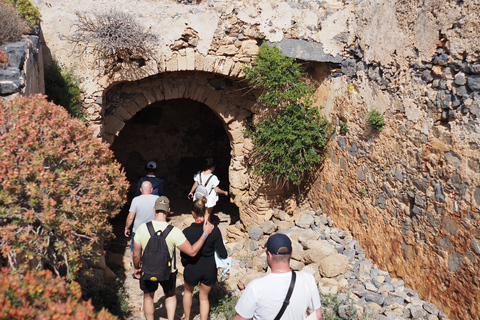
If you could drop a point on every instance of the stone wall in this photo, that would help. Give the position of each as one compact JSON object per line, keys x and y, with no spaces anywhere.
{"x":24,"y":72}
{"x":411,"y":193}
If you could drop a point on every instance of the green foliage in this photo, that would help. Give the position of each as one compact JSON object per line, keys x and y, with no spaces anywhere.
{"x":279,"y":77}
{"x":58,"y":187}
{"x":364,"y":191}
{"x":38,"y":295}
{"x":222,"y":302}
{"x":112,"y":296}
{"x":376,"y":120}
{"x":27,"y":10}
{"x":62,"y":88}
{"x":292,"y":142}
{"x":343,"y":127}
{"x":331,"y":305}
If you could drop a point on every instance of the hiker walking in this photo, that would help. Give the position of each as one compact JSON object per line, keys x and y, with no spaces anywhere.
{"x":206,"y":185}
{"x":141,"y":210}
{"x":156,"y":182}
{"x":175,"y":238}
{"x":201,"y":268}
{"x":282,"y":294}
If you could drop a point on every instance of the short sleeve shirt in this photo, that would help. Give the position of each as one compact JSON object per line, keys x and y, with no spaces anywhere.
{"x":174,"y":238}
{"x":263,"y":297}
{"x":212,"y":183}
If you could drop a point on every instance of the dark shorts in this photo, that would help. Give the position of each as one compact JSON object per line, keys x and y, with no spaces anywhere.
{"x":167,"y":285}
{"x":205,"y":271}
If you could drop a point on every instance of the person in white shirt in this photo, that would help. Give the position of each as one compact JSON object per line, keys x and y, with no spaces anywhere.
{"x":211,"y":182}
{"x":263,"y":297}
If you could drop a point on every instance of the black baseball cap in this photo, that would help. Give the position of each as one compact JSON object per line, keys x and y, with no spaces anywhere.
{"x":279,"y":244}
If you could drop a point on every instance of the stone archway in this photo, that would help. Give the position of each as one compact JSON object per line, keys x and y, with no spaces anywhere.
{"x":228,"y":99}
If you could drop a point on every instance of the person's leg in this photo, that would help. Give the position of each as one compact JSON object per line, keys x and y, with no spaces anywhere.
{"x":170,"y":297}
{"x":148,"y":288}
{"x":187,"y":300}
{"x":208,"y":213}
{"x":204,"y":303}
{"x":171,"y":306}
{"x":148,"y":306}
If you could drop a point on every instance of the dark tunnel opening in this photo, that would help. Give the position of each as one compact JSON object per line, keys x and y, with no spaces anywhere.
{"x":178,"y":135}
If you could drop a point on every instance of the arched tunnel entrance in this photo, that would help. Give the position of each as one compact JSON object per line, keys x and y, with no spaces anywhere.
{"x":177,"y":134}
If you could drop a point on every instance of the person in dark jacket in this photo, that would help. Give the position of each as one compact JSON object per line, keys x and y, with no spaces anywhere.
{"x":201,"y":268}
{"x":156,"y":182}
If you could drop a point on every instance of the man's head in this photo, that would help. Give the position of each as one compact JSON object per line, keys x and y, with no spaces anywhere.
{"x":162,"y":205}
{"x":146,"y":187}
{"x":151,"y":167}
{"x":280,"y":247}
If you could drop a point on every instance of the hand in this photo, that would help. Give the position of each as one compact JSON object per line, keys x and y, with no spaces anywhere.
{"x":226,"y":193}
{"x":190,"y":196}
{"x":137,"y":273}
{"x":127,"y":233}
{"x":207,"y":227}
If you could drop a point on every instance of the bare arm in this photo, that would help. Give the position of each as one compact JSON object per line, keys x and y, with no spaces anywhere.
{"x":137,"y":254}
{"x":239,"y":317}
{"x":128,"y":223}
{"x":319,"y":313}
{"x":192,"y":250}
{"x":218,"y":190}
{"x":195,"y":185}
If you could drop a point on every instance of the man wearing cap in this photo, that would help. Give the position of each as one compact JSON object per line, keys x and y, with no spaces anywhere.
{"x":141,"y":209}
{"x":175,"y":238}
{"x":156,"y":182}
{"x":264,"y":297}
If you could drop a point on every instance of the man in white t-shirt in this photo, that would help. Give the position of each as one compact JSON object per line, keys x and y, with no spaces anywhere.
{"x":141,"y":209}
{"x":263,"y":297}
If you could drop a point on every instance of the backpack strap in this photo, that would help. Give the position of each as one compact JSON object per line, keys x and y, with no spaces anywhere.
{"x":164,"y":234}
{"x":150,"y":228}
{"x":287,"y":298}
{"x":208,"y":180}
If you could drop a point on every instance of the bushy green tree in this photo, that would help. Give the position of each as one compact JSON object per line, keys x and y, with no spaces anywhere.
{"x":58,"y":187}
{"x":292,"y":142}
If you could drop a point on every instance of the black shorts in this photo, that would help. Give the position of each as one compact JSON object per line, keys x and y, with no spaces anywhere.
{"x":168,"y":286}
{"x":204,"y":271}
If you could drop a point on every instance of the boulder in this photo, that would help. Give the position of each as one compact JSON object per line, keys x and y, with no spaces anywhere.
{"x":333,"y":265}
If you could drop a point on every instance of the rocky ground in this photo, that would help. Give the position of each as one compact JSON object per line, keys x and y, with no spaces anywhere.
{"x":332,"y":255}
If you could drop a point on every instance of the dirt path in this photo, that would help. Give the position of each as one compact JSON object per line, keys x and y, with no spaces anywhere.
{"x":180,"y":218}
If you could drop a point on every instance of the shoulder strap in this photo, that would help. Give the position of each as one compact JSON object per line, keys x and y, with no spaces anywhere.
{"x":287,"y":298}
{"x":165,"y":235}
{"x":200,"y":177}
{"x":206,"y":184}
{"x":150,"y":228}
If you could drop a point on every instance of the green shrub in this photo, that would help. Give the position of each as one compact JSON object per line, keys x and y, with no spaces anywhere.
{"x":222,"y":302}
{"x":62,"y":88}
{"x":38,"y":295}
{"x":292,"y":142}
{"x":27,"y":10}
{"x":112,"y":296}
{"x":59,"y":185}
{"x":331,"y":305}
{"x":376,"y":120}
{"x":343,"y":127}
{"x":12,"y":26}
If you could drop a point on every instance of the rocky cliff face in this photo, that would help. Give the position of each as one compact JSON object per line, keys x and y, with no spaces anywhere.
{"x":411,"y":193}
